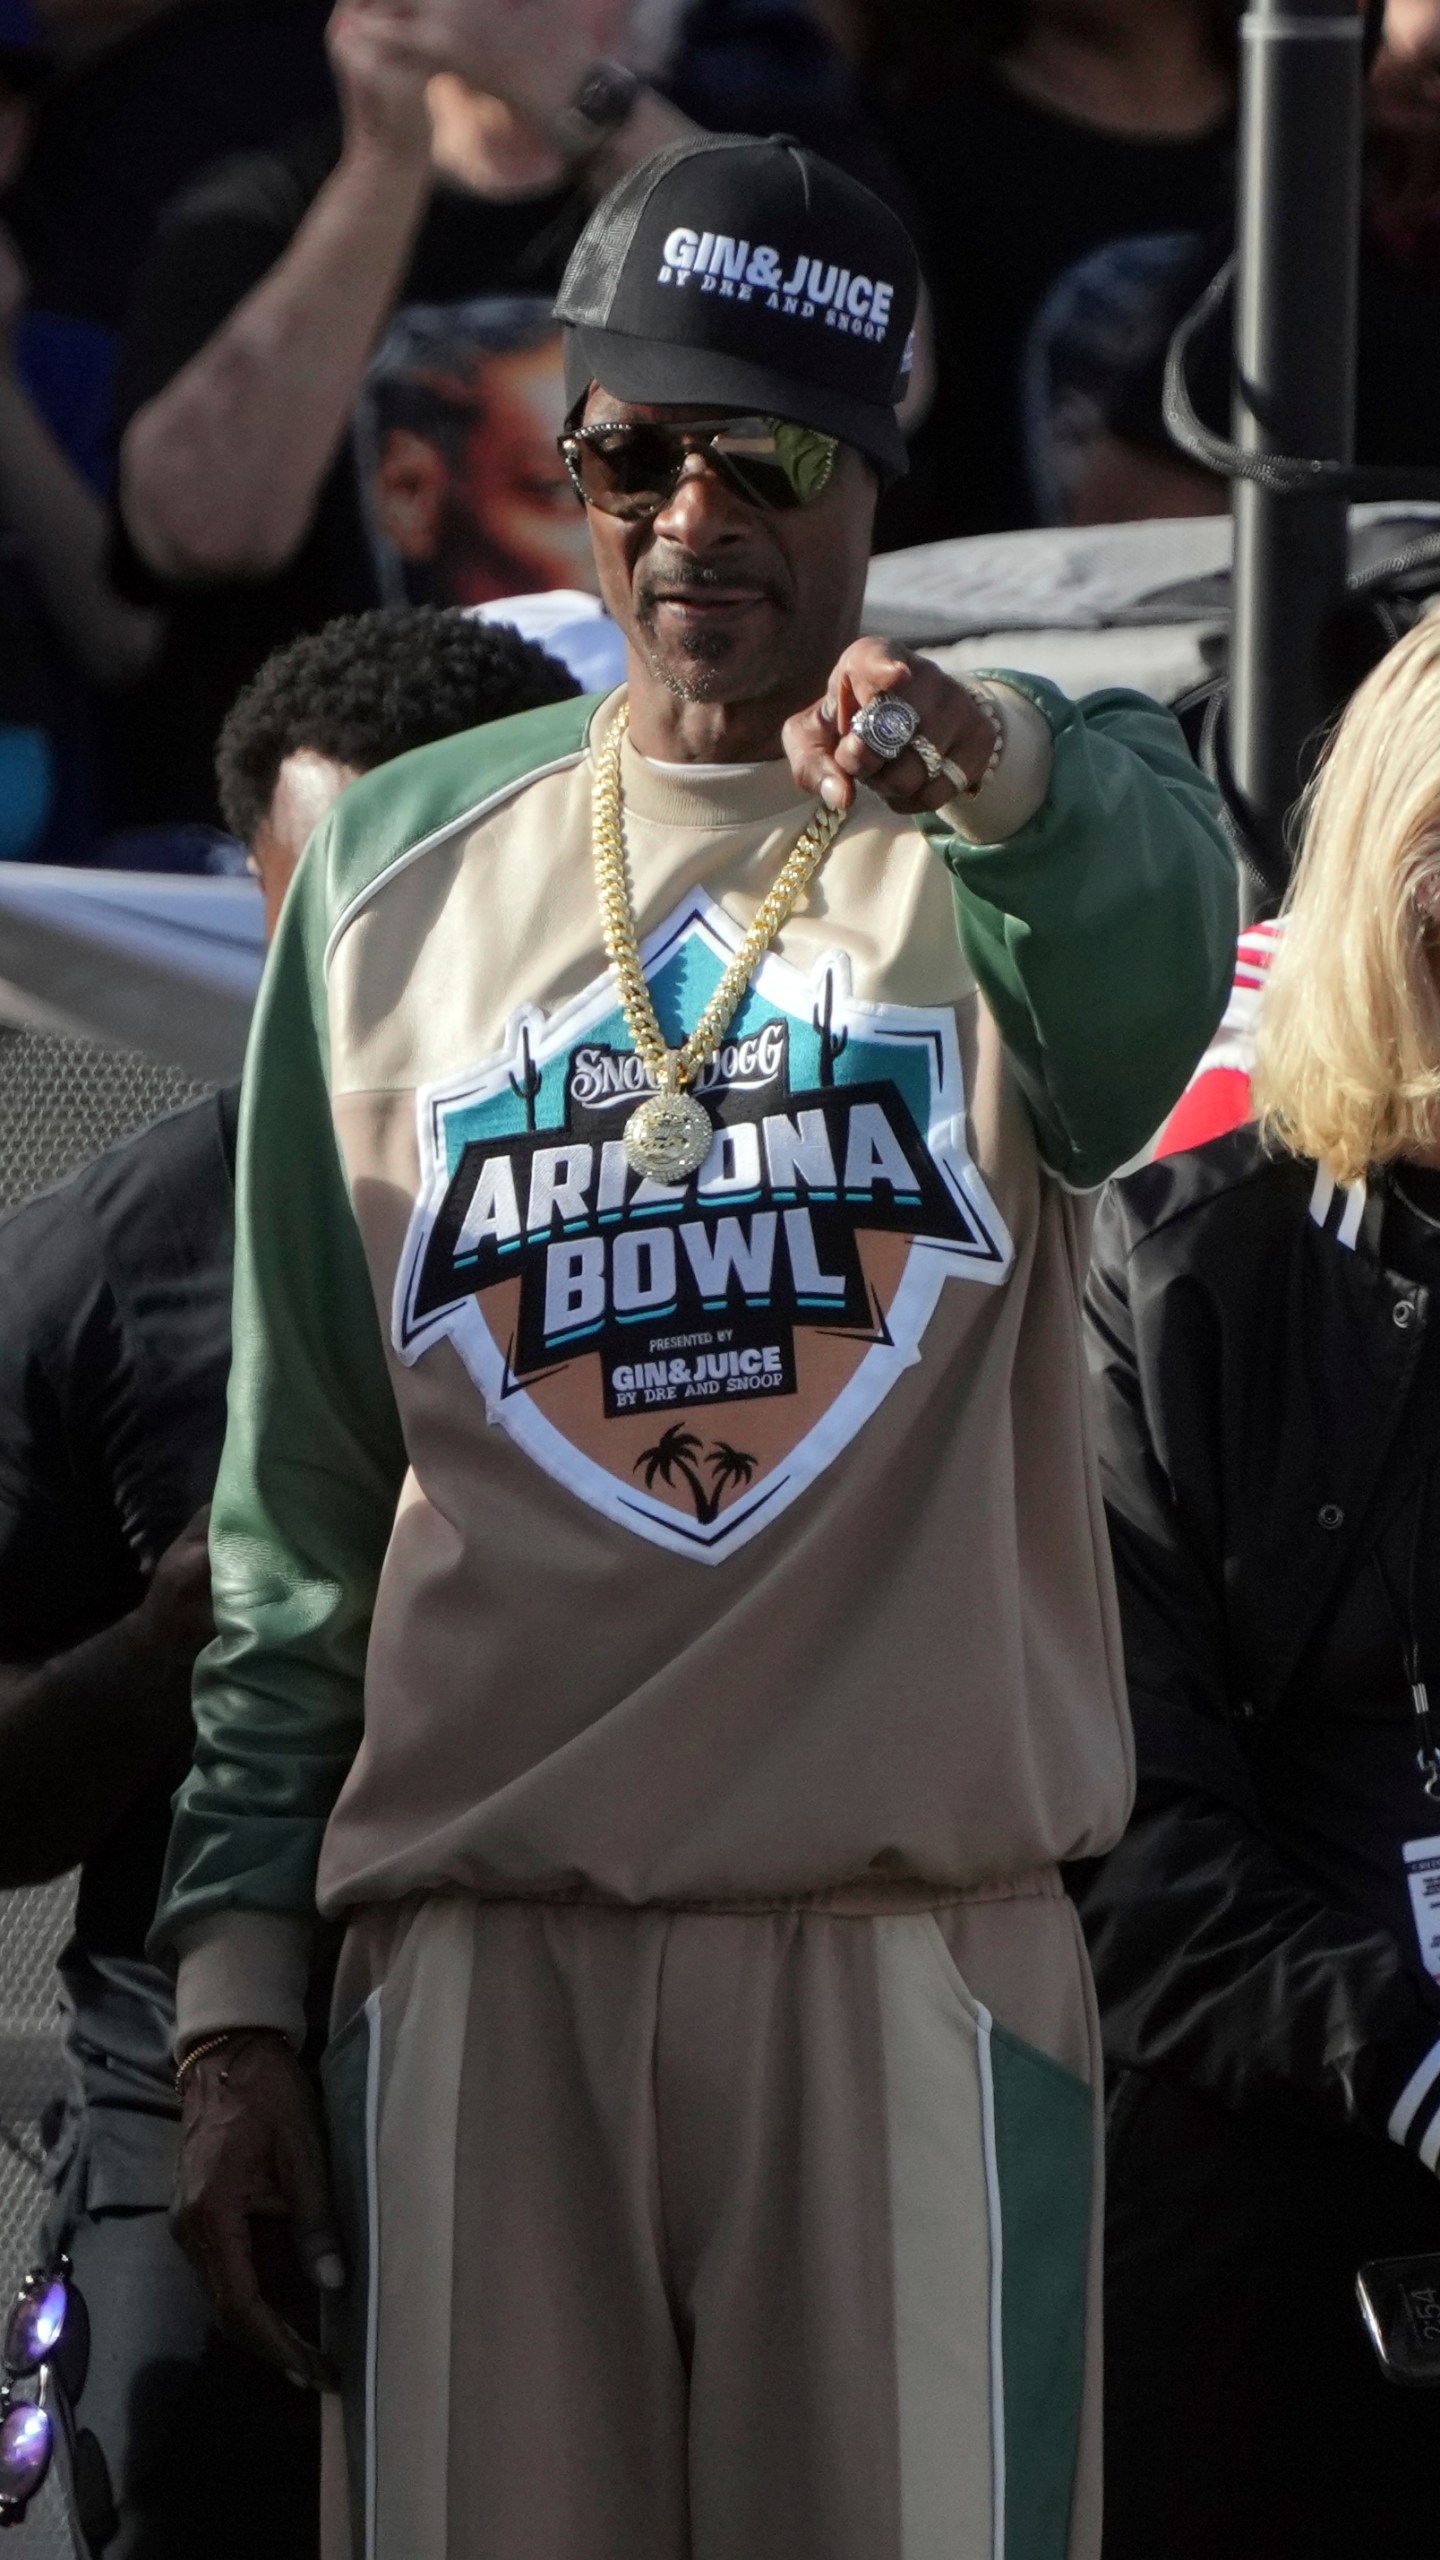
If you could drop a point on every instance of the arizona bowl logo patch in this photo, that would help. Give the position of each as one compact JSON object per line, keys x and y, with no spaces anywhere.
{"x":689,"y":1357}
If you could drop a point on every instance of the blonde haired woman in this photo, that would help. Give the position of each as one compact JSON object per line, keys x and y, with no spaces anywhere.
{"x":1264,"y":1316}
{"x":1348,"y":1049}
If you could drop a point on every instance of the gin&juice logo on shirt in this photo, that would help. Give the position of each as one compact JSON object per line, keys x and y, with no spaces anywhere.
{"x":688,"y":1357}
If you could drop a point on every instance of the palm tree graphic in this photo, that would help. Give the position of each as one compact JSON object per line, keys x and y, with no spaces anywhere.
{"x":677,"y":1452}
{"x":728,"y":1467}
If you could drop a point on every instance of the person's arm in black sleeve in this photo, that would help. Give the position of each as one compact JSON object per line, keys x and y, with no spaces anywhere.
{"x":95,"y":1659}
{"x":1215,"y":1965}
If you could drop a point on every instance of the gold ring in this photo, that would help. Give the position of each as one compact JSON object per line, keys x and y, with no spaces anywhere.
{"x":935,"y":764}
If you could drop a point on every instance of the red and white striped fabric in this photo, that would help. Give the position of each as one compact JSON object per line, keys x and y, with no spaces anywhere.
{"x":1217,"y":1097}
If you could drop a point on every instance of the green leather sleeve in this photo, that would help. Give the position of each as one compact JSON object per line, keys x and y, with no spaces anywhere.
{"x":309,"y":1477}
{"x":313,"y":1460}
{"x":1103,"y":932}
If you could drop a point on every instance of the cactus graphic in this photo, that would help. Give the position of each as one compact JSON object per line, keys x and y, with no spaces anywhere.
{"x":833,"y":1044}
{"x":527,"y":1087}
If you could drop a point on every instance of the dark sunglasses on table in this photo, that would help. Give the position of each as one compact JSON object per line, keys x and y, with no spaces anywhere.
{"x":633,"y":469}
{"x":46,"y":2330}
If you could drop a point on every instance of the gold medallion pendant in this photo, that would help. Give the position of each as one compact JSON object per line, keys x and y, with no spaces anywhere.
{"x":669,"y":1137}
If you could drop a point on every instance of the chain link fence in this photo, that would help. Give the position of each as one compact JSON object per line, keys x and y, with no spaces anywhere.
{"x":62,"y":1102}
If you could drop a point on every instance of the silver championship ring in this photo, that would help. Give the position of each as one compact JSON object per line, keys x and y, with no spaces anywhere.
{"x":887,"y":726}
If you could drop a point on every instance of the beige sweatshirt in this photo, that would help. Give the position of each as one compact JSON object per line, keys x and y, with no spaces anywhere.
{"x":726,"y":1542}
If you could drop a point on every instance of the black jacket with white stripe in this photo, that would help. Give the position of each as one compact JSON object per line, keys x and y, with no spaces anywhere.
{"x":1254,"y":1361}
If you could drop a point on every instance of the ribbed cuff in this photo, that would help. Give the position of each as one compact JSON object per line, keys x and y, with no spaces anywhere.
{"x":242,"y":1969}
{"x":1414,"y":2116}
{"x":1009,"y":798}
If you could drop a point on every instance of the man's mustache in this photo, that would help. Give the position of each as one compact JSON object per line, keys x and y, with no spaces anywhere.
{"x":680,"y":574}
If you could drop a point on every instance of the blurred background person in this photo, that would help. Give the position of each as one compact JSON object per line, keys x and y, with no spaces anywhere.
{"x":143,"y":95}
{"x":341,"y":356}
{"x":114,"y":1353}
{"x":1036,"y":134}
{"x":1111,"y":455}
{"x":1265,"y":1943}
{"x":63,"y":629}
{"x":106,"y":107}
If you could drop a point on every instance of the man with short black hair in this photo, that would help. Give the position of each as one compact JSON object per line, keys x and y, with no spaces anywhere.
{"x":114,"y":1349}
{"x":661,"y":1585}
{"x":366,"y":689}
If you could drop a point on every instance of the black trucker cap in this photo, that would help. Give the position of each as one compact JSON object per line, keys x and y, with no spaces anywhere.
{"x":747,"y":275}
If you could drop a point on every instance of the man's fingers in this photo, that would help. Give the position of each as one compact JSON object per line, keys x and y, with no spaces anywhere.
{"x":307,"y":2195}
{"x":320,"y":2257}
{"x":388,"y":37}
{"x":867,"y":668}
{"x":194,"y":2222}
{"x":901,"y":779}
{"x":809,"y":743}
{"x":222,"y":2245}
{"x":828,"y":759}
{"x":906,"y":783}
{"x":254,"y":2197}
{"x":870,"y":668}
{"x":854,"y":757}
{"x":263,"y":2333}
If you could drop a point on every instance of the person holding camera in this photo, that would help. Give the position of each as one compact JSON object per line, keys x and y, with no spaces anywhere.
{"x":1266,"y":1937}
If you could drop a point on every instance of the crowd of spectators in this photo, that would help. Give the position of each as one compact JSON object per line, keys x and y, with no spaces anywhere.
{"x":275,"y":332}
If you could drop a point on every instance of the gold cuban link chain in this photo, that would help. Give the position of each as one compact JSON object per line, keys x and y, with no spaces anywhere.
{"x":654,"y":1137}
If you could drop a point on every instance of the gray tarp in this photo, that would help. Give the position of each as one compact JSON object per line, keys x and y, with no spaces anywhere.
{"x":136,"y":959}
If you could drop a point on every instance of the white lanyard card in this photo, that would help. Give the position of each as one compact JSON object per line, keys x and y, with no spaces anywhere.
{"x":1422,"y":1874}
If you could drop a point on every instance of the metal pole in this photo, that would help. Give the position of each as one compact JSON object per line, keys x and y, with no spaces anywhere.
{"x":1298,"y":235}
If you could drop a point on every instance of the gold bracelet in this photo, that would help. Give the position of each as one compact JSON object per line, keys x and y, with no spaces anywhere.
{"x":212,"y":2044}
{"x":990,"y":711}
{"x":196,"y":2053}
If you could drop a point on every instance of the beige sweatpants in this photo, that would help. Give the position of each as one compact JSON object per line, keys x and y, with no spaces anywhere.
{"x":717,"y":2235}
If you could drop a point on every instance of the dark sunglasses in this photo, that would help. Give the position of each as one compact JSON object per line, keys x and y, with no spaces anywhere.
{"x":633,"y":470}
{"x":46,"y":2327}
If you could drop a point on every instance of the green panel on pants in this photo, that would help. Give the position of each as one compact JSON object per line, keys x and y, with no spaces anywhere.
{"x":709,"y":2236}
{"x":1044,"y":2141}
